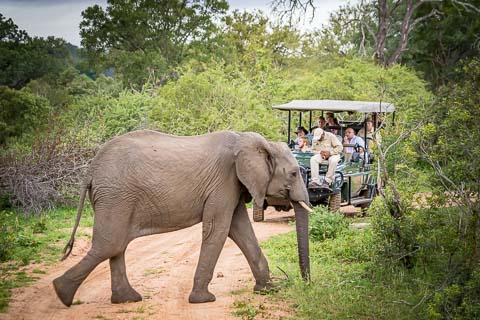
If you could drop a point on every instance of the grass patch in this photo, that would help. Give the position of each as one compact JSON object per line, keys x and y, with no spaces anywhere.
{"x":245,"y":310}
{"x":346,"y":283}
{"x":10,"y":279}
{"x":77,"y":302}
{"x":154,"y":271}
{"x":38,"y":271}
{"x":38,"y":239}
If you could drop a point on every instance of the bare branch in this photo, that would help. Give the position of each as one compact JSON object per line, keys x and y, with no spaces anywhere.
{"x":49,"y":175}
{"x":433,"y":13}
{"x":467,"y":6}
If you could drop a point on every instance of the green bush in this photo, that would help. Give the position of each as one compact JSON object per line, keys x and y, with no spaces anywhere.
{"x":459,"y":300}
{"x":20,"y":113}
{"x":326,"y":225}
{"x":13,"y":234}
{"x":212,"y":100}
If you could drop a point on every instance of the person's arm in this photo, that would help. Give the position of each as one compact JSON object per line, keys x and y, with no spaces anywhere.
{"x":337,"y":147}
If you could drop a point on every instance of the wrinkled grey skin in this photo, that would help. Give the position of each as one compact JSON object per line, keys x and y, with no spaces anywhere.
{"x":146,"y":182}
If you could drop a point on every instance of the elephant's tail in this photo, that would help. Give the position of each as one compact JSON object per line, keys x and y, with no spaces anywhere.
{"x":83,"y":192}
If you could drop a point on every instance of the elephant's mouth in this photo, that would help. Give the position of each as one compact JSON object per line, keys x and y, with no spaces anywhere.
{"x":285,"y":194}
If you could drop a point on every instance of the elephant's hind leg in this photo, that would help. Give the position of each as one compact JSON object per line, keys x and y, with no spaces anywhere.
{"x":122,"y":291}
{"x":216,"y":223}
{"x":66,"y":285}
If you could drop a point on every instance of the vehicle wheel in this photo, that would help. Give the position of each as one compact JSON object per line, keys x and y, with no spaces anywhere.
{"x":258,"y":213}
{"x":334,"y":202}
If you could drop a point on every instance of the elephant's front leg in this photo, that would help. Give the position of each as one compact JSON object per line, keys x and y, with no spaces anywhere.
{"x":216,"y":225}
{"x":241,"y":232}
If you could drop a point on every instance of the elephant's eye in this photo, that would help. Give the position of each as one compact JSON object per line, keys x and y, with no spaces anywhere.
{"x":294,"y":173}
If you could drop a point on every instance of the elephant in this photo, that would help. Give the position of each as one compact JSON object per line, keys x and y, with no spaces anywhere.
{"x":147,"y":182}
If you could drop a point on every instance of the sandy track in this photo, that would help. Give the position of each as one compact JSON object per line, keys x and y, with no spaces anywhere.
{"x":160,"y":268}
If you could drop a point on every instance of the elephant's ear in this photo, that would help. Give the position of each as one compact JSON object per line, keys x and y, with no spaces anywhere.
{"x":254,"y":164}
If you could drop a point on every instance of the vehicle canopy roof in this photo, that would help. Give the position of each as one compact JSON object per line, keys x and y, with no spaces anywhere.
{"x":337,"y":106}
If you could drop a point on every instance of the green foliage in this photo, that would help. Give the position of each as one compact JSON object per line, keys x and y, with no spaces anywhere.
{"x":212,"y":100}
{"x":453,"y":125}
{"x":256,"y":44}
{"x":20,"y":113}
{"x":346,"y":282}
{"x":326,"y":225}
{"x":138,"y":67}
{"x":459,"y":301}
{"x":26,"y":239}
{"x":37,"y":238}
{"x":454,"y":157}
{"x":14,"y":236}
{"x":355,"y":79}
{"x":245,"y":310}
{"x":23,"y":58}
{"x":129,"y":37}
{"x":438,"y":57}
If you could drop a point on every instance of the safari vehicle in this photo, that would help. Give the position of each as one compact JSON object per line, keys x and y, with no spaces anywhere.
{"x":355,"y":179}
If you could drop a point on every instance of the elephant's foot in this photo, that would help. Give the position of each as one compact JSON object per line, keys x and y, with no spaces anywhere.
{"x":265,"y":287}
{"x":197,"y":296}
{"x":126,"y":295}
{"x":65,"y":289}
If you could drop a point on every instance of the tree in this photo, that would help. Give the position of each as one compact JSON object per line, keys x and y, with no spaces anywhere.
{"x":384,"y":28}
{"x":136,"y":30}
{"x":257,"y":44}
{"x":23,"y":58}
{"x":20,"y":112}
{"x":438,"y":46}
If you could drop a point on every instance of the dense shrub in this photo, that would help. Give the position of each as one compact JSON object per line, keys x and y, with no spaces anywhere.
{"x":44,"y":175}
{"x":13,"y":235}
{"x":212,"y":100}
{"x":20,"y":113}
{"x":326,"y":225}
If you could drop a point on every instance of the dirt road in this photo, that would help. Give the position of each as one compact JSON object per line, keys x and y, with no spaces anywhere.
{"x":160,"y":268}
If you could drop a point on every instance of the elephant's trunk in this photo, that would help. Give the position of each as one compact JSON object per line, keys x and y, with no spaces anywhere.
{"x":301,"y":217}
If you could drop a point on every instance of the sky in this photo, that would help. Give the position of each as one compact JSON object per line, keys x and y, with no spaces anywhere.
{"x":59,"y":18}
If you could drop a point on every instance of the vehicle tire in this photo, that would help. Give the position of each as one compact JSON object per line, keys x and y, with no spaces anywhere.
{"x":258,"y":213}
{"x":334,"y":202}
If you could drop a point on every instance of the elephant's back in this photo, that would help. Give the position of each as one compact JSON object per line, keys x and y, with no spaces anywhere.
{"x":151,"y":160}
{"x":154,"y":145}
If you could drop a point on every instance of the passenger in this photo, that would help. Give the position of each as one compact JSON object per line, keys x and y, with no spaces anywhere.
{"x":320,"y":123}
{"x":351,"y":138}
{"x":334,"y":130}
{"x":301,"y":132}
{"x":371,"y":134}
{"x":304,"y":144}
{"x":330,"y":120}
{"x":327,"y":150}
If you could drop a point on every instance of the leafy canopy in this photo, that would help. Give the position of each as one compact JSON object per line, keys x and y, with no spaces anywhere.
{"x":23,"y":58}
{"x":148,"y":35}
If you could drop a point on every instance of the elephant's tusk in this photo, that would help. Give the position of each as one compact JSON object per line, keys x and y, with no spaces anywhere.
{"x":305,"y":206}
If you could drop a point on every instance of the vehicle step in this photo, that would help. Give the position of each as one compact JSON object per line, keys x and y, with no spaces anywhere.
{"x":360,"y":200}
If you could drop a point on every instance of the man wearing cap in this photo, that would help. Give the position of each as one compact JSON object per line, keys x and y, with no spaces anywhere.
{"x":326,"y":148}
